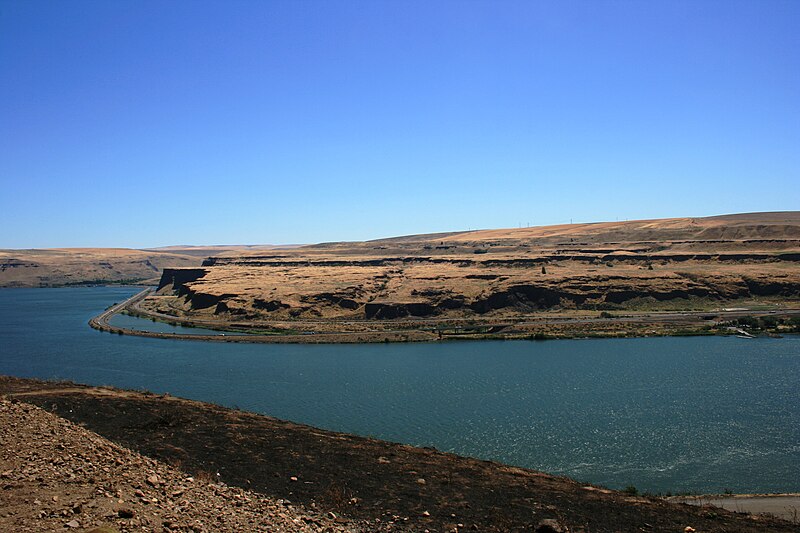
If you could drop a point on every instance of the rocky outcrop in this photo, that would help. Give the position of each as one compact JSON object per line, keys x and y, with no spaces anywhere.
{"x":202,"y":300}
{"x":525,"y":297}
{"x":772,"y":287}
{"x":577,"y":293}
{"x":584,"y":256}
{"x":374,"y":310}
{"x":454,"y":302}
{"x":15,"y":263}
{"x":269,"y":305}
{"x":340,"y":300}
{"x":620,"y":296}
{"x":175,"y":279}
{"x":225,"y":307}
{"x":533,"y":297}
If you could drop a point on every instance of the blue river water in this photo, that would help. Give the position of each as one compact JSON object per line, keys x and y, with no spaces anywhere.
{"x":692,"y":414}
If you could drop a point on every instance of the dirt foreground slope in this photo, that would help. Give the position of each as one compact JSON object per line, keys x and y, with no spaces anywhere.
{"x":59,"y":476}
{"x":375,"y":485}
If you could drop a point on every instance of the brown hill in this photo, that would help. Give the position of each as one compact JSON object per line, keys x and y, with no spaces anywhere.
{"x":81,"y":266}
{"x":495,"y":277}
{"x":749,"y":226}
{"x":58,"y":267}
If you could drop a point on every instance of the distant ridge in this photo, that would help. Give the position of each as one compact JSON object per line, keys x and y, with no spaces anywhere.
{"x":778,"y":224}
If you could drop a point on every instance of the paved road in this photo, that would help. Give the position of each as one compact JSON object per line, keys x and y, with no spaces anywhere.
{"x":101,"y":320}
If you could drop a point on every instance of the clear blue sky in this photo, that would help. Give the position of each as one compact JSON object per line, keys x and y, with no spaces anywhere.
{"x":135,"y":123}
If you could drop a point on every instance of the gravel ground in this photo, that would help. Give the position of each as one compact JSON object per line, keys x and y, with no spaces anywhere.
{"x":58,"y":476}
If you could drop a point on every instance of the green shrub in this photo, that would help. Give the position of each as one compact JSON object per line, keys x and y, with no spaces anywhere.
{"x":748,"y":322}
{"x":769,"y":322}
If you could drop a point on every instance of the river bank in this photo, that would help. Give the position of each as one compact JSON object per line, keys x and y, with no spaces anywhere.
{"x":765,"y":322}
{"x":396,"y":487}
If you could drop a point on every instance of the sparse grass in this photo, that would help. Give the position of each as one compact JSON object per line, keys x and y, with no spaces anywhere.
{"x":336,"y":497}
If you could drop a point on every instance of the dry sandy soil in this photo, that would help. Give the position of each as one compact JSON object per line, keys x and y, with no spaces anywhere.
{"x":55,"y":472}
{"x":452,"y":284}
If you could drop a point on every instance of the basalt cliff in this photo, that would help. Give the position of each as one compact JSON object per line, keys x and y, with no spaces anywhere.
{"x":490,"y":275}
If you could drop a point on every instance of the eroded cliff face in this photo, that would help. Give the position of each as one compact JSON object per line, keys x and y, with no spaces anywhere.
{"x":668,"y":264}
{"x":402,"y":291}
{"x":176,"y":279}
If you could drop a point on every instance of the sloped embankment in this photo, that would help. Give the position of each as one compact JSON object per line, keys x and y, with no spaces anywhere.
{"x":59,"y":476}
{"x":388,"y":486}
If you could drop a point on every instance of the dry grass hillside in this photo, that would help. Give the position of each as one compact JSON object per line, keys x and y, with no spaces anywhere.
{"x":734,"y":229}
{"x":491,"y":275}
{"x":81,"y":266}
{"x":55,"y":267}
